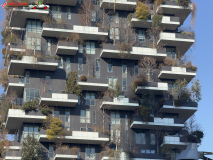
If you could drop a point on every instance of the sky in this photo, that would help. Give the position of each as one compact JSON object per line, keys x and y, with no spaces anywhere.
{"x":203,"y":58}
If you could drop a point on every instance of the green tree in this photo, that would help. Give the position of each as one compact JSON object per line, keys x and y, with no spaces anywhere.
{"x":71,"y":84}
{"x":196,"y":90}
{"x":30,"y":105}
{"x":114,"y":89}
{"x":142,"y":11}
{"x":55,"y":128}
{"x":31,"y":149}
{"x":145,"y":113}
{"x":181,"y":91}
{"x":156,"y":20}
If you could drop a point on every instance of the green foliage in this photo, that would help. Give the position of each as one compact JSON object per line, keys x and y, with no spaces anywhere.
{"x":19,"y":57}
{"x":124,"y":47}
{"x":196,"y":90}
{"x":55,"y":128}
{"x":142,"y":11}
{"x":148,"y":100}
{"x":198,"y":134}
{"x":46,"y":111}
{"x":30,"y":148}
{"x":71,"y":84}
{"x":159,"y":2}
{"x":181,"y":91}
{"x":156,"y":20}
{"x":190,"y":66}
{"x":4,"y":79}
{"x":183,"y":3}
{"x":177,"y":103}
{"x":83,"y":78}
{"x":114,"y":89}
{"x":145,"y":113}
{"x":8,"y":37}
{"x":3,"y":143}
{"x":30,"y":106}
{"x":129,"y":17}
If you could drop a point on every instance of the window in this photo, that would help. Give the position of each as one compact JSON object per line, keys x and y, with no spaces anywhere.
{"x":60,"y":63}
{"x":93,"y":117}
{"x":67,"y":115}
{"x":85,"y":116}
{"x":51,"y":91}
{"x":47,"y":77}
{"x":67,"y":128}
{"x":140,"y":138}
{"x":79,"y":100}
{"x":152,"y":151}
{"x":124,"y":86}
{"x":67,"y":63}
{"x":149,"y":74}
{"x":90,"y":154}
{"x":34,"y":43}
{"x":97,"y":68}
{"x":90,"y":99}
{"x":171,"y":52}
{"x":27,"y":77}
{"x":115,"y":136}
{"x":112,"y":81}
{"x":51,"y":151}
{"x":88,"y":129}
{"x":116,"y":17}
{"x":135,"y":68}
{"x":34,"y":26}
{"x":56,"y":12}
{"x":57,"y":113}
{"x":143,"y":151}
{"x":93,"y":16}
{"x":152,"y":138}
{"x":80,"y":48}
{"x":109,"y":66}
{"x":114,"y":33}
{"x":48,"y":46}
{"x":80,"y":64}
{"x":141,"y":35}
{"x":115,"y":118}
{"x":30,"y":94}
{"x":124,"y":67}
{"x":31,"y":130}
{"x":90,"y":48}
{"x":68,"y":13}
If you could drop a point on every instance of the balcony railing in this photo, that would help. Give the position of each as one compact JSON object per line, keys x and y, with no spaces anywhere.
{"x":128,"y":5}
{"x":10,"y":155}
{"x":93,"y":84}
{"x":64,"y":2}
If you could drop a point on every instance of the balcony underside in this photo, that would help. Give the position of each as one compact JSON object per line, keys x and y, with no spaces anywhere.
{"x":93,"y":86}
{"x":59,"y":102}
{"x":153,"y":125}
{"x":182,"y":45}
{"x":64,"y":2}
{"x":176,"y":75}
{"x":119,"y":106}
{"x":184,"y":112}
{"x":148,"y":24}
{"x":17,"y":87}
{"x":19,"y":16}
{"x":175,"y":10}
{"x":55,"y":32}
{"x":65,"y":50}
{"x":110,"y":4}
{"x":106,"y":53}
{"x":154,"y":90}
{"x":64,"y":157}
{"x":178,"y":144}
{"x":77,"y":140}
{"x":17,"y":67}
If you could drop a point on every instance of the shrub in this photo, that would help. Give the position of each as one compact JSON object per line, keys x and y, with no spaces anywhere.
{"x":145,"y":113}
{"x":136,"y":83}
{"x":156,"y":20}
{"x":190,"y":66}
{"x":198,"y":134}
{"x":83,"y":78}
{"x":192,"y":139}
{"x":19,"y":57}
{"x":46,"y":111}
{"x":55,"y":128}
{"x":71,"y":84}
{"x":142,"y":11}
{"x":114,"y":89}
{"x":159,"y":2}
{"x":184,"y":3}
{"x":177,"y":103}
{"x":143,"y":80}
{"x":4,"y":79}
{"x":29,"y":106}
{"x":169,"y":61}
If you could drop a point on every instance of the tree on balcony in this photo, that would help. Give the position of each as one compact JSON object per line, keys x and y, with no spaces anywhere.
{"x":30,"y":148}
{"x":142,"y":11}
{"x":114,"y":89}
{"x":4,"y":79}
{"x":71,"y":84}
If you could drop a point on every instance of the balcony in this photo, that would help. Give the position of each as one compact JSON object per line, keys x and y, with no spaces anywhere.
{"x":25,"y":13}
{"x":64,"y":2}
{"x":16,"y":117}
{"x":14,"y":145}
{"x":157,"y":88}
{"x":173,"y":140}
{"x":171,"y":8}
{"x":168,"y":23}
{"x":64,"y":153}
{"x":136,"y":53}
{"x":67,"y":48}
{"x":15,"y":47}
{"x":85,"y":32}
{"x":119,"y":156}
{"x":120,"y":104}
{"x":93,"y":84}
{"x":185,"y":111}
{"x":59,"y":99}
{"x":78,"y":137}
{"x":16,"y":84}
{"x":17,"y":67}
{"x":12,"y":155}
{"x":168,"y":72}
{"x":182,"y":42}
{"x":163,"y":123}
{"x":127,"y":5}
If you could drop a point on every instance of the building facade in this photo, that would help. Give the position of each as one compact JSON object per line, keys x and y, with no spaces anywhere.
{"x":94,"y":120}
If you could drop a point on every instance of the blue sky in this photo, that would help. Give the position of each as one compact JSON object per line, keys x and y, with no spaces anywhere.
{"x":203,"y":58}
